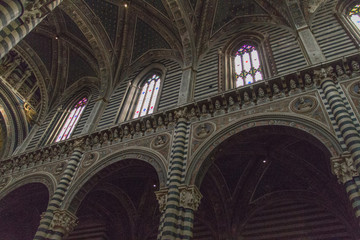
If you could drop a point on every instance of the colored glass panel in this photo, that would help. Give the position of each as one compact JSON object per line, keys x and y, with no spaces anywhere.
{"x":354,"y":15}
{"x":148,"y":96}
{"x":141,"y":100}
{"x":71,"y":120}
{"x":154,"y":97}
{"x":238,"y":65}
{"x":247,"y":66}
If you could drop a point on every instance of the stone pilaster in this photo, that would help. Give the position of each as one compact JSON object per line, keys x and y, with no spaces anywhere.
{"x":311,"y":46}
{"x":344,"y":169}
{"x":187,"y":86}
{"x":49,"y":218}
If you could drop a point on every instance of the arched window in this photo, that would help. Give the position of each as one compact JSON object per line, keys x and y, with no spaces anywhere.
{"x":71,"y":120}
{"x":247,"y":66}
{"x":355,"y":15}
{"x":148,"y":96}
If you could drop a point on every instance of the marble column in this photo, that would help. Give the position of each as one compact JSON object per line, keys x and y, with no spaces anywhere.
{"x":343,"y":167}
{"x":342,"y":117}
{"x":48,"y":228}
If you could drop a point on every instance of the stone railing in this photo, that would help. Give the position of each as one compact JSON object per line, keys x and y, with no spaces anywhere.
{"x":223,"y":103}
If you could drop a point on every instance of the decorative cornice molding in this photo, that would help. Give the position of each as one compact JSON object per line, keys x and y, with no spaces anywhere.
{"x":217,"y":105}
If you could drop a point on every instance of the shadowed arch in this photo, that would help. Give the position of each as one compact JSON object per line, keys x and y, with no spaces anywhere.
{"x":336,"y":209}
{"x":44,"y":178}
{"x":122,"y":158}
{"x":201,"y":160}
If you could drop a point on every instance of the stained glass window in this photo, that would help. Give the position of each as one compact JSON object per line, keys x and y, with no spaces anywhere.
{"x":71,"y":120}
{"x":148,"y":95}
{"x":354,"y":15}
{"x":247,"y":66}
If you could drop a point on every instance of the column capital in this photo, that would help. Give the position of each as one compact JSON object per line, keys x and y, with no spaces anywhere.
{"x":343,"y":167}
{"x":323,"y":74}
{"x":79,"y":144}
{"x":161,"y":196}
{"x":63,"y":221}
{"x":190,"y":197}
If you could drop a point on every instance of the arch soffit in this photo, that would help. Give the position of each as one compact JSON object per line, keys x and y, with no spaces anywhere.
{"x":151,"y":68}
{"x":156,"y":160}
{"x":195,"y":171}
{"x":45,"y":178}
{"x":41,"y":74}
{"x":146,"y":61}
{"x":86,"y":86}
{"x":342,"y":6}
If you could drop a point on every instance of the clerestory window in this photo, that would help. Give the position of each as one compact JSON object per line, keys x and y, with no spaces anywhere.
{"x":148,"y":96}
{"x":247,"y":66}
{"x":71,"y":120}
{"x":354,"y":15}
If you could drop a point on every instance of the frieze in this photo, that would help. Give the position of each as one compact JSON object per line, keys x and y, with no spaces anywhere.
{"x":269,"y":96}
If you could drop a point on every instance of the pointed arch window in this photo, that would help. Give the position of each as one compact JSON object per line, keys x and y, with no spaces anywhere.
{"x":148,"y":96}
{"x":355,"y":15}
{"x":71,"y":120}
{"x":247,"y":66}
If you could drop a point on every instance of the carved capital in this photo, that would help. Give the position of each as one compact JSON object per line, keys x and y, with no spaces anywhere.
{"x":63,"y":221}
{"x":79,"y":143}
{"x":344,"y":167}
{"x":161,"y":196}
{"x":190,"y":197}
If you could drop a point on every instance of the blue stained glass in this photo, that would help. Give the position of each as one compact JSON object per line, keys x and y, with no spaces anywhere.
{"x":148,"y":97}
{"x":72,"y":118}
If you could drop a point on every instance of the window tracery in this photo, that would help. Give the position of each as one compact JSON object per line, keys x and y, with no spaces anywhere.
{"x":247,"y":66}
{"x":148,"y":96}
{"x":71,"y":120}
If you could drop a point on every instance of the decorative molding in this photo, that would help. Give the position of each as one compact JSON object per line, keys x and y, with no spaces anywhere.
{"x":343,"y":167}
{"x":63,"y":221}
{"x":190,"y":197}
{"x":161,"y":196}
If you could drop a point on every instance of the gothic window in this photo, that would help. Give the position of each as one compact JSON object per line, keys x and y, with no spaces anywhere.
{"x":148,"y":96}
{"x":247,"y":66}
{"x":71,"y":120}
{"x":355,"y":15}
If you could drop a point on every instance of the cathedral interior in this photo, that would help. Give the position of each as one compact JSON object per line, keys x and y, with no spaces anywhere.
{"x":180,"y":119}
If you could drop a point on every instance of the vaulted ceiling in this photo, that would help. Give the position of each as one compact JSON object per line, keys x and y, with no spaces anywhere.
{"x":103,"y":41}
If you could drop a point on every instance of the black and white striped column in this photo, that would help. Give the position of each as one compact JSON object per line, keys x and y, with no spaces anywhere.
{"x":47,"y":221}
{"x":344,"y":169}
{"x":12,"y":33}
{"x":343,"y":119}
{"x":9,"y":11}
{"x":173,"y":223}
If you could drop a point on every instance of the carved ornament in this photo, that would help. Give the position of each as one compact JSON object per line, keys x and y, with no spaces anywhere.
{"x":344,"y":167}
{"x":190,"y":197}
{"x":63,"y":221}
{"x":161,"y":196}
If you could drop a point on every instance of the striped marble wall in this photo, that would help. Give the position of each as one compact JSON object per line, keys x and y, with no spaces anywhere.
{"x":286,"y":52}
{"x":329,"y":33}
{"x":168,"y":98}
{"x":47,"y":127}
